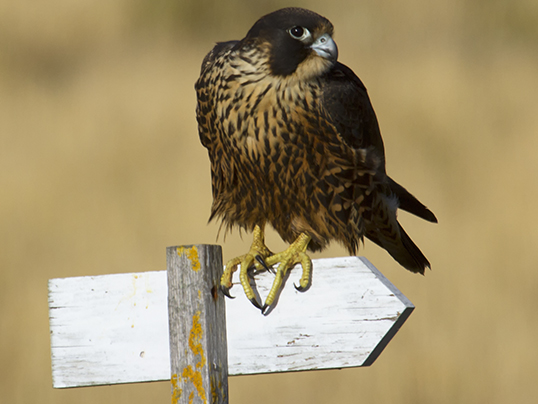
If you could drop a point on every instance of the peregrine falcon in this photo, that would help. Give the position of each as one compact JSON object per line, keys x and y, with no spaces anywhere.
{"x":294,"y":142}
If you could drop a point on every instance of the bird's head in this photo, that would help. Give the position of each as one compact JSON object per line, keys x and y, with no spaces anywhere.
{"x":298,"y":42}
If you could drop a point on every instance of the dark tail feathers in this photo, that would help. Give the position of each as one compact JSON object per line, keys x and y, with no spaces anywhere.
{"x":404,"y":250}
{"x":413,"y":259}
{"x":411,"y":204}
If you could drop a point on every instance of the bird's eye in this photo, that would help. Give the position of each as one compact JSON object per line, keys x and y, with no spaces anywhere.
{"x":299,"y":33}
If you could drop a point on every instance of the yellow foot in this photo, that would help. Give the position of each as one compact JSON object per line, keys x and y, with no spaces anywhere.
{"x":255,"y":257}
{"x":294,"y":254}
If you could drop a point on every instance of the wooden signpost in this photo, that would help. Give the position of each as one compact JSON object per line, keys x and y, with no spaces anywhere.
{"x":175,"y":325}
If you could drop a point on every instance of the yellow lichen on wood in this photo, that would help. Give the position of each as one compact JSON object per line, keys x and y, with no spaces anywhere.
{"x":176,"y":390}
{"x":195,"y":377}
{"x":192,"y":255}
{"x":195,"y":345}
{"x":195,"y":339}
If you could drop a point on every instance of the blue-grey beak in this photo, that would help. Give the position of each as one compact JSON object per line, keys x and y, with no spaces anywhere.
{"x":325,"y":47}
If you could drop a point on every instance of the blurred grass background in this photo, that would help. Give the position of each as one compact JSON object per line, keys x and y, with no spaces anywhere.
{"x":101,"y":169}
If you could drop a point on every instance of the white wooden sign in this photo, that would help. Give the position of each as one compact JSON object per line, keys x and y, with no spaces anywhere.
{"x":114,"y":328}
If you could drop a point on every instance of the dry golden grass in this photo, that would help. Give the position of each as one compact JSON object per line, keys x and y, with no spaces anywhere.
{"x":101,"y":169}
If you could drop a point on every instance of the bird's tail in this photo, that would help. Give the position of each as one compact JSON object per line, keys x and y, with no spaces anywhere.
{"x":409,"y":203}
{"x":402,"y":249}
{"x":384,"y":229}
{"x":412,"y":259}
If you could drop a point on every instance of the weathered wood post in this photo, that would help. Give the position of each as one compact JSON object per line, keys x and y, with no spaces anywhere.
{"x":197,"y":325}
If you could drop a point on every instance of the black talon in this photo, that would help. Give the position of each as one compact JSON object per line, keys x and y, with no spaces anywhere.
{"x":252,"y":271}
{"x":226,"y":291}
{"x":255,"y":303}
{"x":265,"y":306}
{"x":299,"y":288}
{"x":263,"y":264}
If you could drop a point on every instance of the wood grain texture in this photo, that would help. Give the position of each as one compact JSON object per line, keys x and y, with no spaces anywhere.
{"x":100,"y":326}
{"x":197,"y":324}
{"x":109,"y":329}
{"x":345,"y":319}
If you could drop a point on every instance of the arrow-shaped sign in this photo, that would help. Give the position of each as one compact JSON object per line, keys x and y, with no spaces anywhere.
{"x":114,"y":328}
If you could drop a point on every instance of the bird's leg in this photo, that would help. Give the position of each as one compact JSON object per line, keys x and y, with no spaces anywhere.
{"x":294,"y":254}
{"x":255,"y":257}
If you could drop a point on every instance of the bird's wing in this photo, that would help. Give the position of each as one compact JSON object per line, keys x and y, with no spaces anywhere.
{"x":206,"y":87}
{"x":346,"y":101}
{"x":219,"y":49}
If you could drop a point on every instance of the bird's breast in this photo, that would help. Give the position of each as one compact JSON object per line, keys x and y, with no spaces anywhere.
{"x":263,"y":114}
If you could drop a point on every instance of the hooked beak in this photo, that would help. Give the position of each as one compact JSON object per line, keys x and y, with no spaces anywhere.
{"x":325,"y":47}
